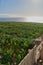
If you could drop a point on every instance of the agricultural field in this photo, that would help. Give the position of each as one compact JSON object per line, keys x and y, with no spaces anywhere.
{"x":15,"y":40}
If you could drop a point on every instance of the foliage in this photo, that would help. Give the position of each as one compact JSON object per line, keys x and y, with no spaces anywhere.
{"x":16,"y":39}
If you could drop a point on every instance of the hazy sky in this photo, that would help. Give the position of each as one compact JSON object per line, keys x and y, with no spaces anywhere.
{"x":21,"y":7}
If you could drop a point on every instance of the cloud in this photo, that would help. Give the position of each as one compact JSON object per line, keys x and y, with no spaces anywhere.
{"x":22,"y":8}
{"x":33,"y":7}
{"x":36,"y":1}
{"x":10,"y":15}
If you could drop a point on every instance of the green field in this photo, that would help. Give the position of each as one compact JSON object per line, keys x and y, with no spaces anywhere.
{"x":16,"y":39}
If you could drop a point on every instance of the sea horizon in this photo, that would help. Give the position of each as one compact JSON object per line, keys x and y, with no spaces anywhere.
{"x":22,"y":19}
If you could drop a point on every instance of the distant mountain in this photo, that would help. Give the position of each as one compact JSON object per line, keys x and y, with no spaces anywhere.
{"x":17,"y":19}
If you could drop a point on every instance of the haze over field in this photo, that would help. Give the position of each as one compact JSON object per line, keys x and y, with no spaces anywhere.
{"x":31,"y":10}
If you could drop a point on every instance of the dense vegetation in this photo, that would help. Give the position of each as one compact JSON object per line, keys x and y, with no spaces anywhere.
{"x":16,"y":39}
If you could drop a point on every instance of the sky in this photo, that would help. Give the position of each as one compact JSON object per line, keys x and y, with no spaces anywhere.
{"x":22,"y":8}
